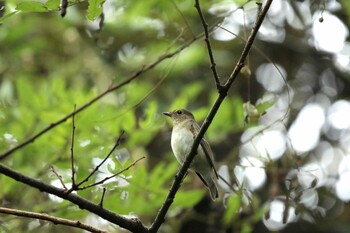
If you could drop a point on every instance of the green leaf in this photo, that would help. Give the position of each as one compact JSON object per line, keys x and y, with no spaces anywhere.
{"x":263,"y":106}
{"x":95,"y":9}
{"x":25,"y":91}
{"x":52,"y":4}
{"x":233,"y":205}
{"x":31,"y":6}
{"x":188,"y":199}
{"x":7,"y":16}
{"x":229,"y":118}
{"x":150,"y":115}
{"x":190,"y":91}
{"x":162,"y":173}
{"x":246,"y":228}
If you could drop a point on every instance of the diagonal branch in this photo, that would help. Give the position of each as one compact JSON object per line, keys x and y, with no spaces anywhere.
{"x":249,"y":44}
{"x":112,"y":176}
{"x":59,"y":177}
{"x":98,"y":97}
{"x":131,"y":224}
{"x":54,"y":220}
{"x":181,"y":173}
{"x":103,"y":161}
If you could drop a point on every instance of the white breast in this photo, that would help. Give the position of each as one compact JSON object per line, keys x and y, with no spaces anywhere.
{"x":181,"y":143}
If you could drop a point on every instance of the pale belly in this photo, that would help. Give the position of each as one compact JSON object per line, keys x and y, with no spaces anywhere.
{"x":181,"y":143}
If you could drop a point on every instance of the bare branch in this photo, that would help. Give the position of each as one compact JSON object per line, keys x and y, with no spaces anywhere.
{"x":59,"y":177}
{"x":181,"y":173}
{"x":54,"y":220}
{"x":102,"y":198}
{"x":249,"y":44}
{"x":112,"y":88}
{"x":131,"y":224}
{"x":112,"y":176}
{"x":207,"y":41}
{"x":63,"y":6}
{"x":103,"y":161}
{"x":72,"y":148}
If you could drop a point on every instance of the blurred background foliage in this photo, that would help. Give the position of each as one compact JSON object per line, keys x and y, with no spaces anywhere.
{"x":294,"y":87}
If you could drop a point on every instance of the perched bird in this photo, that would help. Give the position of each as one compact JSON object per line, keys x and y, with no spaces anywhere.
{"x":185,"y":130}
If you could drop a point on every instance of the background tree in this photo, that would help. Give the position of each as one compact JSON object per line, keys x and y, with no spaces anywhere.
{"x":280,"y":137}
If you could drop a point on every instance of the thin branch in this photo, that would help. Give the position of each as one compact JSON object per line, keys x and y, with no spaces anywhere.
{"x":131,"y":224}
{"x":249,"y":44}
{"x":227,"y":183}
{"x":54,"y":220}
{"x":59,"y":177}
{"x":112,"y":176}
{"x":63,"y":6}
{"x":183,"y":17}
{"x":72,"y":148}
{"x":268,"y":59}
{"x":103,"y":161}
{"x":181,"y":173}
{"x":98,"y":97}
{"x":102,"y":198}
{"x":207,"y":41}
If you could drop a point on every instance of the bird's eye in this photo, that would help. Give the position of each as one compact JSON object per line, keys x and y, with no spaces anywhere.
{"x":179,"y":112}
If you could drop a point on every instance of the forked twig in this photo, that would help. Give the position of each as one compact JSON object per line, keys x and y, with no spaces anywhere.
{"x":103,"y":161}
{"x":134,"y":225}
{"x":59,"y":177}
{"x":112,"y":176}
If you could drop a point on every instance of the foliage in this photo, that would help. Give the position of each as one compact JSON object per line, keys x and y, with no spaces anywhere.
{"x":49,"y":65}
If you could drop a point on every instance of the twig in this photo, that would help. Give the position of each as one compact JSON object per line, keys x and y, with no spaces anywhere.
{"x":95,"y":99}
{"x":227,"y":183}
{"x":102,"y":198}
{"x":112,"y":176}
{"x":54,"y":220}
{"x":59,"y":177}
{"x":207,"y":41}
{"x":72,"y":148}
{"x":181,"y":173}
{"x":131,"y":224}
{"x":103,"y":161}
{"x":268,"y":59}
{"x":183,"y":17}
{"x":63,"y":6}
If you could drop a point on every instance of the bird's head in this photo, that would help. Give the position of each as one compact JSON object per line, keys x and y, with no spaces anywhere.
{"x":179,"y":115}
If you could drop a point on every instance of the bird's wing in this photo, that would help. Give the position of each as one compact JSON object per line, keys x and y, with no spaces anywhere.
{"x":205,"y":145}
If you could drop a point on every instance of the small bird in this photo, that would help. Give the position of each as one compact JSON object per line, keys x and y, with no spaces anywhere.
{"x":185,"y":130}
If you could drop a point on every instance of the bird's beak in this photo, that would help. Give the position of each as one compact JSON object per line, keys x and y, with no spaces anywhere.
{"x":167,"y":114}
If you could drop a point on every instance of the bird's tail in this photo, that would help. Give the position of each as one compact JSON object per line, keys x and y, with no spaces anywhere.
{"x":209,"y":182}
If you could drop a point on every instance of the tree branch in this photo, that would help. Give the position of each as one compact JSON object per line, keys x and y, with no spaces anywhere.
{"x":131,"y":224}
{"x":98,"y":97}
{"x":249,"y":44}
{"x":102,"y":197}
{"x":103,"y":161}
{"x":207,"y":41}
{"x":112,"y":176}
{"x":181,"y":173}
{"x":72,"y":148}
{"x":134,"y":224}
{"x":59,"y":177}
{"x":54,"y":220}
